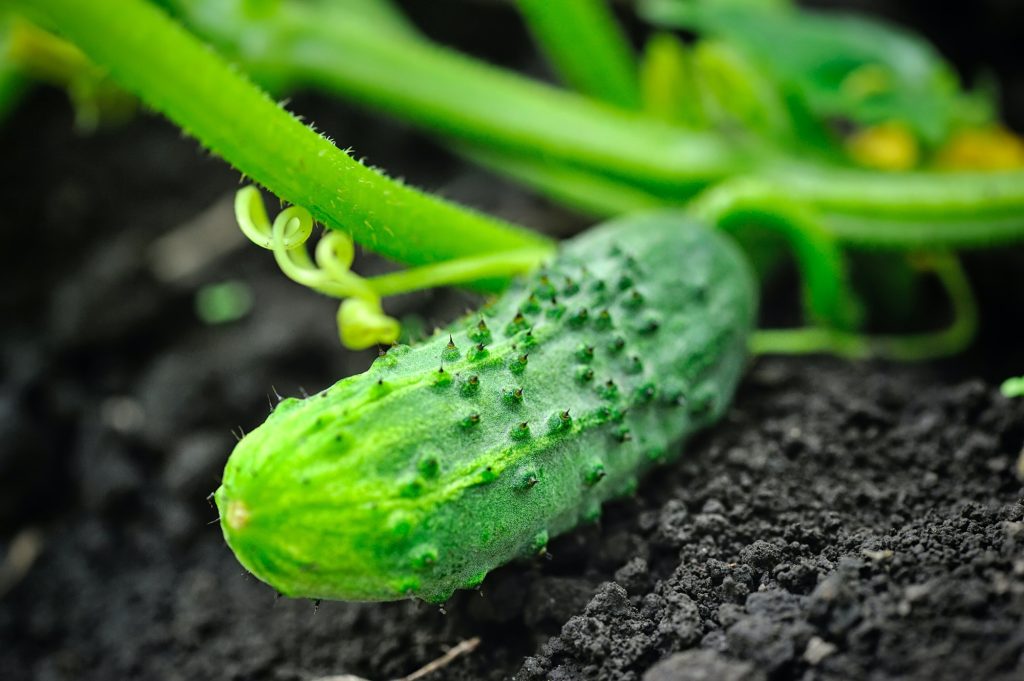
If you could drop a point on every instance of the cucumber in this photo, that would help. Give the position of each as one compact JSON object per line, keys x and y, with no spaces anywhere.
{"x":450,"y":458}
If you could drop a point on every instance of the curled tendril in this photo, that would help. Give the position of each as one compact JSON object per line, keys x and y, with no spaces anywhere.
{"x":361,"y":320}
{"x":902,"y":348}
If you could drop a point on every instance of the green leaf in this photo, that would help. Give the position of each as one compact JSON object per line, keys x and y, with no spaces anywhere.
{"x":838,"y":65}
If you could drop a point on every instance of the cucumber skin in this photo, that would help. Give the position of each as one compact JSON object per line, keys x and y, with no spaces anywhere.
{"x":413,"y":481}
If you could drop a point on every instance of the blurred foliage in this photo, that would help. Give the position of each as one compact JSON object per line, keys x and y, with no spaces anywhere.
{"x":840,"y":69}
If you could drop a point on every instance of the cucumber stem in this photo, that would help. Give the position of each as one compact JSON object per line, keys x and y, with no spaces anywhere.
{"x":506,"y":114}
{"x":170,"y":70}
{"x":361,"y":318}
{"x":459,"y":271}
{"x":586,"y":46}
{"x":462,"y":98}
{"x":746,"y":202}
{"x":914,"y":210}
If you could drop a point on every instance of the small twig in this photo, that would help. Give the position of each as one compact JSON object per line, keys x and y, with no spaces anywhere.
{"x":463,"y":648}
{"x":456,"y":651}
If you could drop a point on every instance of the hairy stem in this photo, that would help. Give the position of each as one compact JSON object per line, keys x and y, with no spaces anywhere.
{"x":504,"y":113}
{"x":462,"y":98}
{"x":586,"y":46}
{"x":150,"y":55}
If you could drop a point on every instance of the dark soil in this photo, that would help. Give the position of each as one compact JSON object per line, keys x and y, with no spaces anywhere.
{"x":845,"y":521}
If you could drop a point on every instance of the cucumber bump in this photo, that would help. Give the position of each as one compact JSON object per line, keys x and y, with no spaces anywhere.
{"x":450,"y":458}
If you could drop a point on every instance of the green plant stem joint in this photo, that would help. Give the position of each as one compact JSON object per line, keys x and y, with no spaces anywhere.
{"x":391,"y":484}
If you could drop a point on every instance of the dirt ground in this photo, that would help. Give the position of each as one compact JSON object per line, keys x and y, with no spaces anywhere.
{"x":844,"y":521}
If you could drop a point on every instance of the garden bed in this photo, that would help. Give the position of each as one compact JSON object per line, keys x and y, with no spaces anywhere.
{"x":845,"y":520}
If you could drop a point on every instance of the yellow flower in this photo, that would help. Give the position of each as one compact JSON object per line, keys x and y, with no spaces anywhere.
{"x":889,"y":146}
{"x":994,"y":148}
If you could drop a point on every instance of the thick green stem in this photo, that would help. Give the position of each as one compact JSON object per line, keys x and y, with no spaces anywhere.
{"x":911,"y":210}
{"x":586,"y":46}
{"x":668,"y":82}
{"x":382,"y":14}
{"x":171,"y":71}
{"x":587,"y":192}
{"x":462,"y":98}
{"x":743,"y":204}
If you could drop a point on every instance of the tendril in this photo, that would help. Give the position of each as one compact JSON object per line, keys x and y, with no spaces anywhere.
{"x":362,"y":322}
{"x":903,"y":348}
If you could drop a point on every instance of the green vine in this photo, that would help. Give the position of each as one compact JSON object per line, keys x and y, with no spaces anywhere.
{"x":586,"y":46}
{"x":573,"y":149}
{"x":302,"y":45}
{"x":595,"y":157}
{"x":361,"y":319}
{"x":905,"y":348}
{"x":152,"y":56}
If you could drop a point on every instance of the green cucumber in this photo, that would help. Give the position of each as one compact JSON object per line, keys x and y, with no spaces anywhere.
{"x":448,"y":459}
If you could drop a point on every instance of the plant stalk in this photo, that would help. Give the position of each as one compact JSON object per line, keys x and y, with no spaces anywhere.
{"x":150,"y":55}
{"x":462,"y":98}
{"x":586,"y":46}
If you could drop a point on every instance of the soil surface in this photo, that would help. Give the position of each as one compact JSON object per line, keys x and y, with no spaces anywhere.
{"x":844,"y":521}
